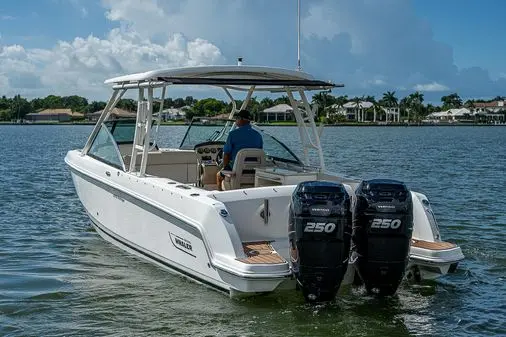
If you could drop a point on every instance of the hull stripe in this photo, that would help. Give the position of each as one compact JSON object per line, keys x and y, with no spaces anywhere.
{"x":142,"y":204}
{"x":116,"y":238}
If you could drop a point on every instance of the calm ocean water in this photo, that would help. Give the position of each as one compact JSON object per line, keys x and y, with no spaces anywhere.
{"x":59,"y":278}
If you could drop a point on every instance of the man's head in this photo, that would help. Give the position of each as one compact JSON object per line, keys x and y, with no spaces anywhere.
{"x":242,"y":117}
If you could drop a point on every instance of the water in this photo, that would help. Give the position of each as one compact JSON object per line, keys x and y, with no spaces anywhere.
{"x":59,"y":278}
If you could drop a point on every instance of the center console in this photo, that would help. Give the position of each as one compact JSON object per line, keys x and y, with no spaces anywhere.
{"x":207,"y":162}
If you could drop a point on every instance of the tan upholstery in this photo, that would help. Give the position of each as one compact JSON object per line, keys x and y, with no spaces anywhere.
{"x":208,"y":174}
{"x":179,"y":165}
{"x":125,"y":149}
{"x":243,"y":172}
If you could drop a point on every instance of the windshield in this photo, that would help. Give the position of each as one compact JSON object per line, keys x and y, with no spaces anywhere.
{"x":123,"y":130}
{"x":205,"y":130}
{"x":276,"y":150}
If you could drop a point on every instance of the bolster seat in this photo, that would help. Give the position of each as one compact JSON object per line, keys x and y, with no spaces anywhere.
{"x":243,"y":172}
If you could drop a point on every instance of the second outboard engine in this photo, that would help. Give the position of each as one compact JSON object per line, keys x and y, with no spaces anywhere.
{"x":320,"y":232}
{"x":382,"y":228}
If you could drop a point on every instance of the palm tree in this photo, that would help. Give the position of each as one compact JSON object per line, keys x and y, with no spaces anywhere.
{"x":415,"y":101}
{"x":416,"y":97}
{"x":322,"y":99}
{"x":378,"y":108}
{"x":404,"y":107}
{"x":389,"y":99}
{"x":339,"y":103}
{"x":357,"y":100}
{"x":369,"y":98}
{"x":451,"y":101}
{"x":266,"y":103}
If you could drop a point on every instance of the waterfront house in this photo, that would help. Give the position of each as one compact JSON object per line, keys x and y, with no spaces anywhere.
{"x":115,"y":114}
{"x":280,"y":112}
{"x":485,"y":112}
{"x":490,"y":111}
{"x":490,"y":107}
{"x":351,"y":110}
{"x":53,"y":115}
{"x":451,"y":115}
{"x":173,"y":114}
{"x":393,"y":114}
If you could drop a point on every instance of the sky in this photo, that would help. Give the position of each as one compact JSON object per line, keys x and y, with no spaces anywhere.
{"x":69,"y":47}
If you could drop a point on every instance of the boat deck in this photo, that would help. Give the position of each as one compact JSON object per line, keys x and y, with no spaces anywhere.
{"x":432,"y":245}
{"x":260,"y":252}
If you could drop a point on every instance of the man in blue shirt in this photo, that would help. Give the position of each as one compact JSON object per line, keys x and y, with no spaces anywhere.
{"x":243,"y":137}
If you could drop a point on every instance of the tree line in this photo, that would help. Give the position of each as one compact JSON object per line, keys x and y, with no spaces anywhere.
{"x":18,"y":107}
{"x":412,"y":106}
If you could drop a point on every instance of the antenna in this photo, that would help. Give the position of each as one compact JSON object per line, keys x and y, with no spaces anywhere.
{"x":298,"y":36}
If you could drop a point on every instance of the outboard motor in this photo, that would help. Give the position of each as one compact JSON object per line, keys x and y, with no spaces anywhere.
{"x":382,"y":228}
{"x":320,"y":233}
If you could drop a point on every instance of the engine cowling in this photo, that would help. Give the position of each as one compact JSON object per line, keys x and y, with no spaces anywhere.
{"x":382,"y":230}
{"x":320,"y":234}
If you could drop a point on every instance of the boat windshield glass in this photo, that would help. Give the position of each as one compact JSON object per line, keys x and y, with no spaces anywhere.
{"x":206,"y":130}
{"x":123,"y":130}
{"x":105,"y":149}
{"x":276,"y":150}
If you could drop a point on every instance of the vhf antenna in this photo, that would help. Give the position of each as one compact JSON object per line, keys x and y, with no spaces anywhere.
{"x":298,"y":36}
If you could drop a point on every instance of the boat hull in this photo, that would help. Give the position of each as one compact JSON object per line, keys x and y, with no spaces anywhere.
{"x":149,"y":231}
{"x":430,"y":260}
{"x":150,"y":218}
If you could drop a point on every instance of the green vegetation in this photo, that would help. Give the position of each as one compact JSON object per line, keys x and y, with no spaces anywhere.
{"x":411,"y":107}
{"x":18,"y":107}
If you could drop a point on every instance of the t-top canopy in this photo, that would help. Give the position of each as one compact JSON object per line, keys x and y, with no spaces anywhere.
{"x":225,"y":75}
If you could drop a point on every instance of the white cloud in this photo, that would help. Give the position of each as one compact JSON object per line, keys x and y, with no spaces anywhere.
{"x":80,"y":66}
{"x":434,"y":86}
{"x":377,"y":81}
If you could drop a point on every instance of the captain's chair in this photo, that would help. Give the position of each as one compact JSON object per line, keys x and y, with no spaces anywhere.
{"x":243,"y":172}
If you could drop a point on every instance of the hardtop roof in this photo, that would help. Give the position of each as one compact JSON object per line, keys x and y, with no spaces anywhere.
{"x":224,"y":75}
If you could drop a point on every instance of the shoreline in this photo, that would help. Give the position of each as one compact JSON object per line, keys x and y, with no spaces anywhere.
{"x":286,"y":124}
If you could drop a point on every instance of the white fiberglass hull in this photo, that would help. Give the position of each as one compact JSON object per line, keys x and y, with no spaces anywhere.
{"x":193,"y":235}
{"x":147,"y":229}
{"x":429,"y":264}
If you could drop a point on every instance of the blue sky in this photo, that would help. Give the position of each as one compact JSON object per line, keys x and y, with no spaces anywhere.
{"x":70,"y":46}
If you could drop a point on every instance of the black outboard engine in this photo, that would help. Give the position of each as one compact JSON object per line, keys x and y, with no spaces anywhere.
{"x":382,"y":228}
{"x":320,"y":233}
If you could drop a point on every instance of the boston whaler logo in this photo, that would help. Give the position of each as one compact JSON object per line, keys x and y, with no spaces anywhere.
{"x":181,"y":244}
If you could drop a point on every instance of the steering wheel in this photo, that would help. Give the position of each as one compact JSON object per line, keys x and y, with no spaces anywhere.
{"x":215,"y":144}
{"x":219,"y":157}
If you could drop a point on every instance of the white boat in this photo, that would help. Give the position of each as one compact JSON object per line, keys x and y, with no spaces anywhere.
{"x":164,"y":206}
